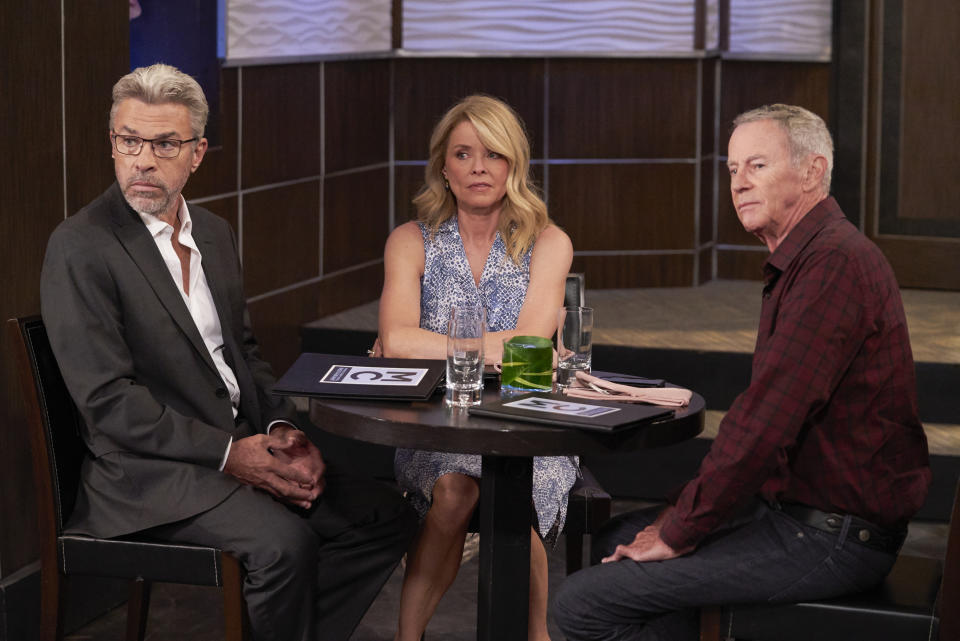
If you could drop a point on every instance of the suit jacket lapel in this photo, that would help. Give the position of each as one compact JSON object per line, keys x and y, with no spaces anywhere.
{"x":231,"y":329}
{"x":141,"y":247}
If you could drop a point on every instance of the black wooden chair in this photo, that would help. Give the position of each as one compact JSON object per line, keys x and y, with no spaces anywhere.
{"x":58,"y":451}
{"x":918,"y":601}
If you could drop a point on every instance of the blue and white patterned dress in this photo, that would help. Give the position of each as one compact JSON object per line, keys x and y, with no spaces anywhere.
{"x":447,"y":280}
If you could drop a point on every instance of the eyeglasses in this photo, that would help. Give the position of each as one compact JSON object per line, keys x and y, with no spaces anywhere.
{"x":162,"y":147}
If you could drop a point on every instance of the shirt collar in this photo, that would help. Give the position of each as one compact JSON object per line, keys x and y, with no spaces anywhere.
{"x":824,"y":212}
{"x":156,"y":226}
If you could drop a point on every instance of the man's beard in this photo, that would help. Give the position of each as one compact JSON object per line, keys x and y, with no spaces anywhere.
{"x":146,"y":204}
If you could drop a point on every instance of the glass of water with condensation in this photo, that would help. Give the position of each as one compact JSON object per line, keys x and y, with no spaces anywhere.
{"x":574,"y":343}
{"x":466,"y":331}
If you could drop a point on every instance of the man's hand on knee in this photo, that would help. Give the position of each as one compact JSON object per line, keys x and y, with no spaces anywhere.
{"x":251,"y":460}
{"x":647,"y":545}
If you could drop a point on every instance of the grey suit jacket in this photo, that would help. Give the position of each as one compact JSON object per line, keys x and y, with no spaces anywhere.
{"x":157,"y":413}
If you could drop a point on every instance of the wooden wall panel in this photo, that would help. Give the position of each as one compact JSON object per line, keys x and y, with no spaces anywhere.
{"x":929,"y":118}
{"x":424,"y":88}
{"x":407,"y":181}
{"x":609,"y":108}
{"x":740,"y":264}
{"x":705,"y":267}
{"x":355,"y":137}
{"x":637,"y":270}
{"x":350,"y":288}
{"x":708,"y":98}
{"x":707,"y":208}
{"x":923,"y":262}
{"x":31,"y":181}
{"x":746,"y":84}
{"x":624,"y":207}
{"x":355,"y":218}
{"x":281,"y":123}
{"x":218,"y":172}
{"x":226,"y":208}
{"x":95,"y":45}
{"x":281,"y":236}
{"x":276,"y":321}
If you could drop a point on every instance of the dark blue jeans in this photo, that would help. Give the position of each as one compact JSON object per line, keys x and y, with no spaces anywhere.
{"x":762,"y":556}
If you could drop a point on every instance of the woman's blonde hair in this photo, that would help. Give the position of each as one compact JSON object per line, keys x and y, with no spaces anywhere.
{"x":524,"y":214}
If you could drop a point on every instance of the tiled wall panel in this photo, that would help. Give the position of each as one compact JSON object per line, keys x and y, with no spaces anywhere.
{"x":407,"y":182}
{"x":627,"y":108}
{"x":227,"y":208}
{"x":622,"y":207}
{"x":281,"y":123}
{"x":424,"y":88}
{"x":355,"y":218}
{"x":354,"y":136}
{"x":740,"y":264}
{"x":281,"y":236}
{"x":707,"y":211}
{"x":750,"y":83}
{"x":277,"y":319}
{"x":86,"y":95}
{"x":622,"y":272}
{"x":219,"y":169}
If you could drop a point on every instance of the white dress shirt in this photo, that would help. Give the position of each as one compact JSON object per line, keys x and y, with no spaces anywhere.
{"x":199,"y":301}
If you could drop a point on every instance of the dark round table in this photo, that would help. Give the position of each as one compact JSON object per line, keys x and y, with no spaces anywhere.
{"x":507,"y":448}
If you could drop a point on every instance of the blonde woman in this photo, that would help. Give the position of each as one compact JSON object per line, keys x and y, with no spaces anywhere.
{"x":482,"y":236}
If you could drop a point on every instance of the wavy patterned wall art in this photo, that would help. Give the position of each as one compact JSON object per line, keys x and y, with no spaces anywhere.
{"x":548,"y":26}
{"x":301,"y":28}
{"x":796,"y":28}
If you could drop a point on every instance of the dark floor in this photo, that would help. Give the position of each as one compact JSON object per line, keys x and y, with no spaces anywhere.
{"x":189,"y":613}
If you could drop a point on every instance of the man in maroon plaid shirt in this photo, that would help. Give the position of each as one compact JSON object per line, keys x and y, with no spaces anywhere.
{"x":821,"y":462}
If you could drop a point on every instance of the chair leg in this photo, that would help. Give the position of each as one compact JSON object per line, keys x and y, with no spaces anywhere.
{"x":53,"y":598}
{"x":236,"y":622}
{"x":137,"y":607}
{"x":574,"y":553}
{"x":710,"y":623}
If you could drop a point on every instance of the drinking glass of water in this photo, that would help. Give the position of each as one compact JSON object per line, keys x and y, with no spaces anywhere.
{"x":465,"y":333}
{"x":574,"y":343}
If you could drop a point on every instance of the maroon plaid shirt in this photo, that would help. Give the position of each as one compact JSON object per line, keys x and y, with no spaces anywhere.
{"x":830,"y":417}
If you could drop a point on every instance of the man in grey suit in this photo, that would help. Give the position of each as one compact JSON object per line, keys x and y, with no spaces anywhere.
{"x":143,"y":301}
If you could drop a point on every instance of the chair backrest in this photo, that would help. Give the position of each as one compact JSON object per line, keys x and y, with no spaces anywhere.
{"x":573,"y":294}
{"x":950,"y":585}
{"x":53,"y":422}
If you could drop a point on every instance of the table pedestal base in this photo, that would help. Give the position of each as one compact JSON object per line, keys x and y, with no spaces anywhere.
{"x":507,"y":482}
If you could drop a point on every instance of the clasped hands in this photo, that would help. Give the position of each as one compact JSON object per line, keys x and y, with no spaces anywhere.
{"x":647,"y":545}
{"x":284,"y":463}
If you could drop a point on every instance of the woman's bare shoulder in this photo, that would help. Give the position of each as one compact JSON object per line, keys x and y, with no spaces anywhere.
{"x":407,"y":230}
{"x":553,"y":238}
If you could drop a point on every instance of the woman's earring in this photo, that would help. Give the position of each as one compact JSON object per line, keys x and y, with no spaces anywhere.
{"x":446,"y":184}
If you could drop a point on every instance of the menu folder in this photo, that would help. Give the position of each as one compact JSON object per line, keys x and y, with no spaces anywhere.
{"x":556,"y":409}
{"x":338,"y":376}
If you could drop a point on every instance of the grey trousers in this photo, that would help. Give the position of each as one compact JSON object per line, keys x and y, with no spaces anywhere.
{"x":761,"y":556}
{"x":311,"y":575}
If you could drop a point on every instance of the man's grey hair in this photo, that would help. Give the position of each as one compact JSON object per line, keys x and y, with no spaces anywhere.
{"x":160,"y":84}
{"x":806,"y":132}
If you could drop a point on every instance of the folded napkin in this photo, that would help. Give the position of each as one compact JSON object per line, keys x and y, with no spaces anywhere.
{"x":586,"y":386}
